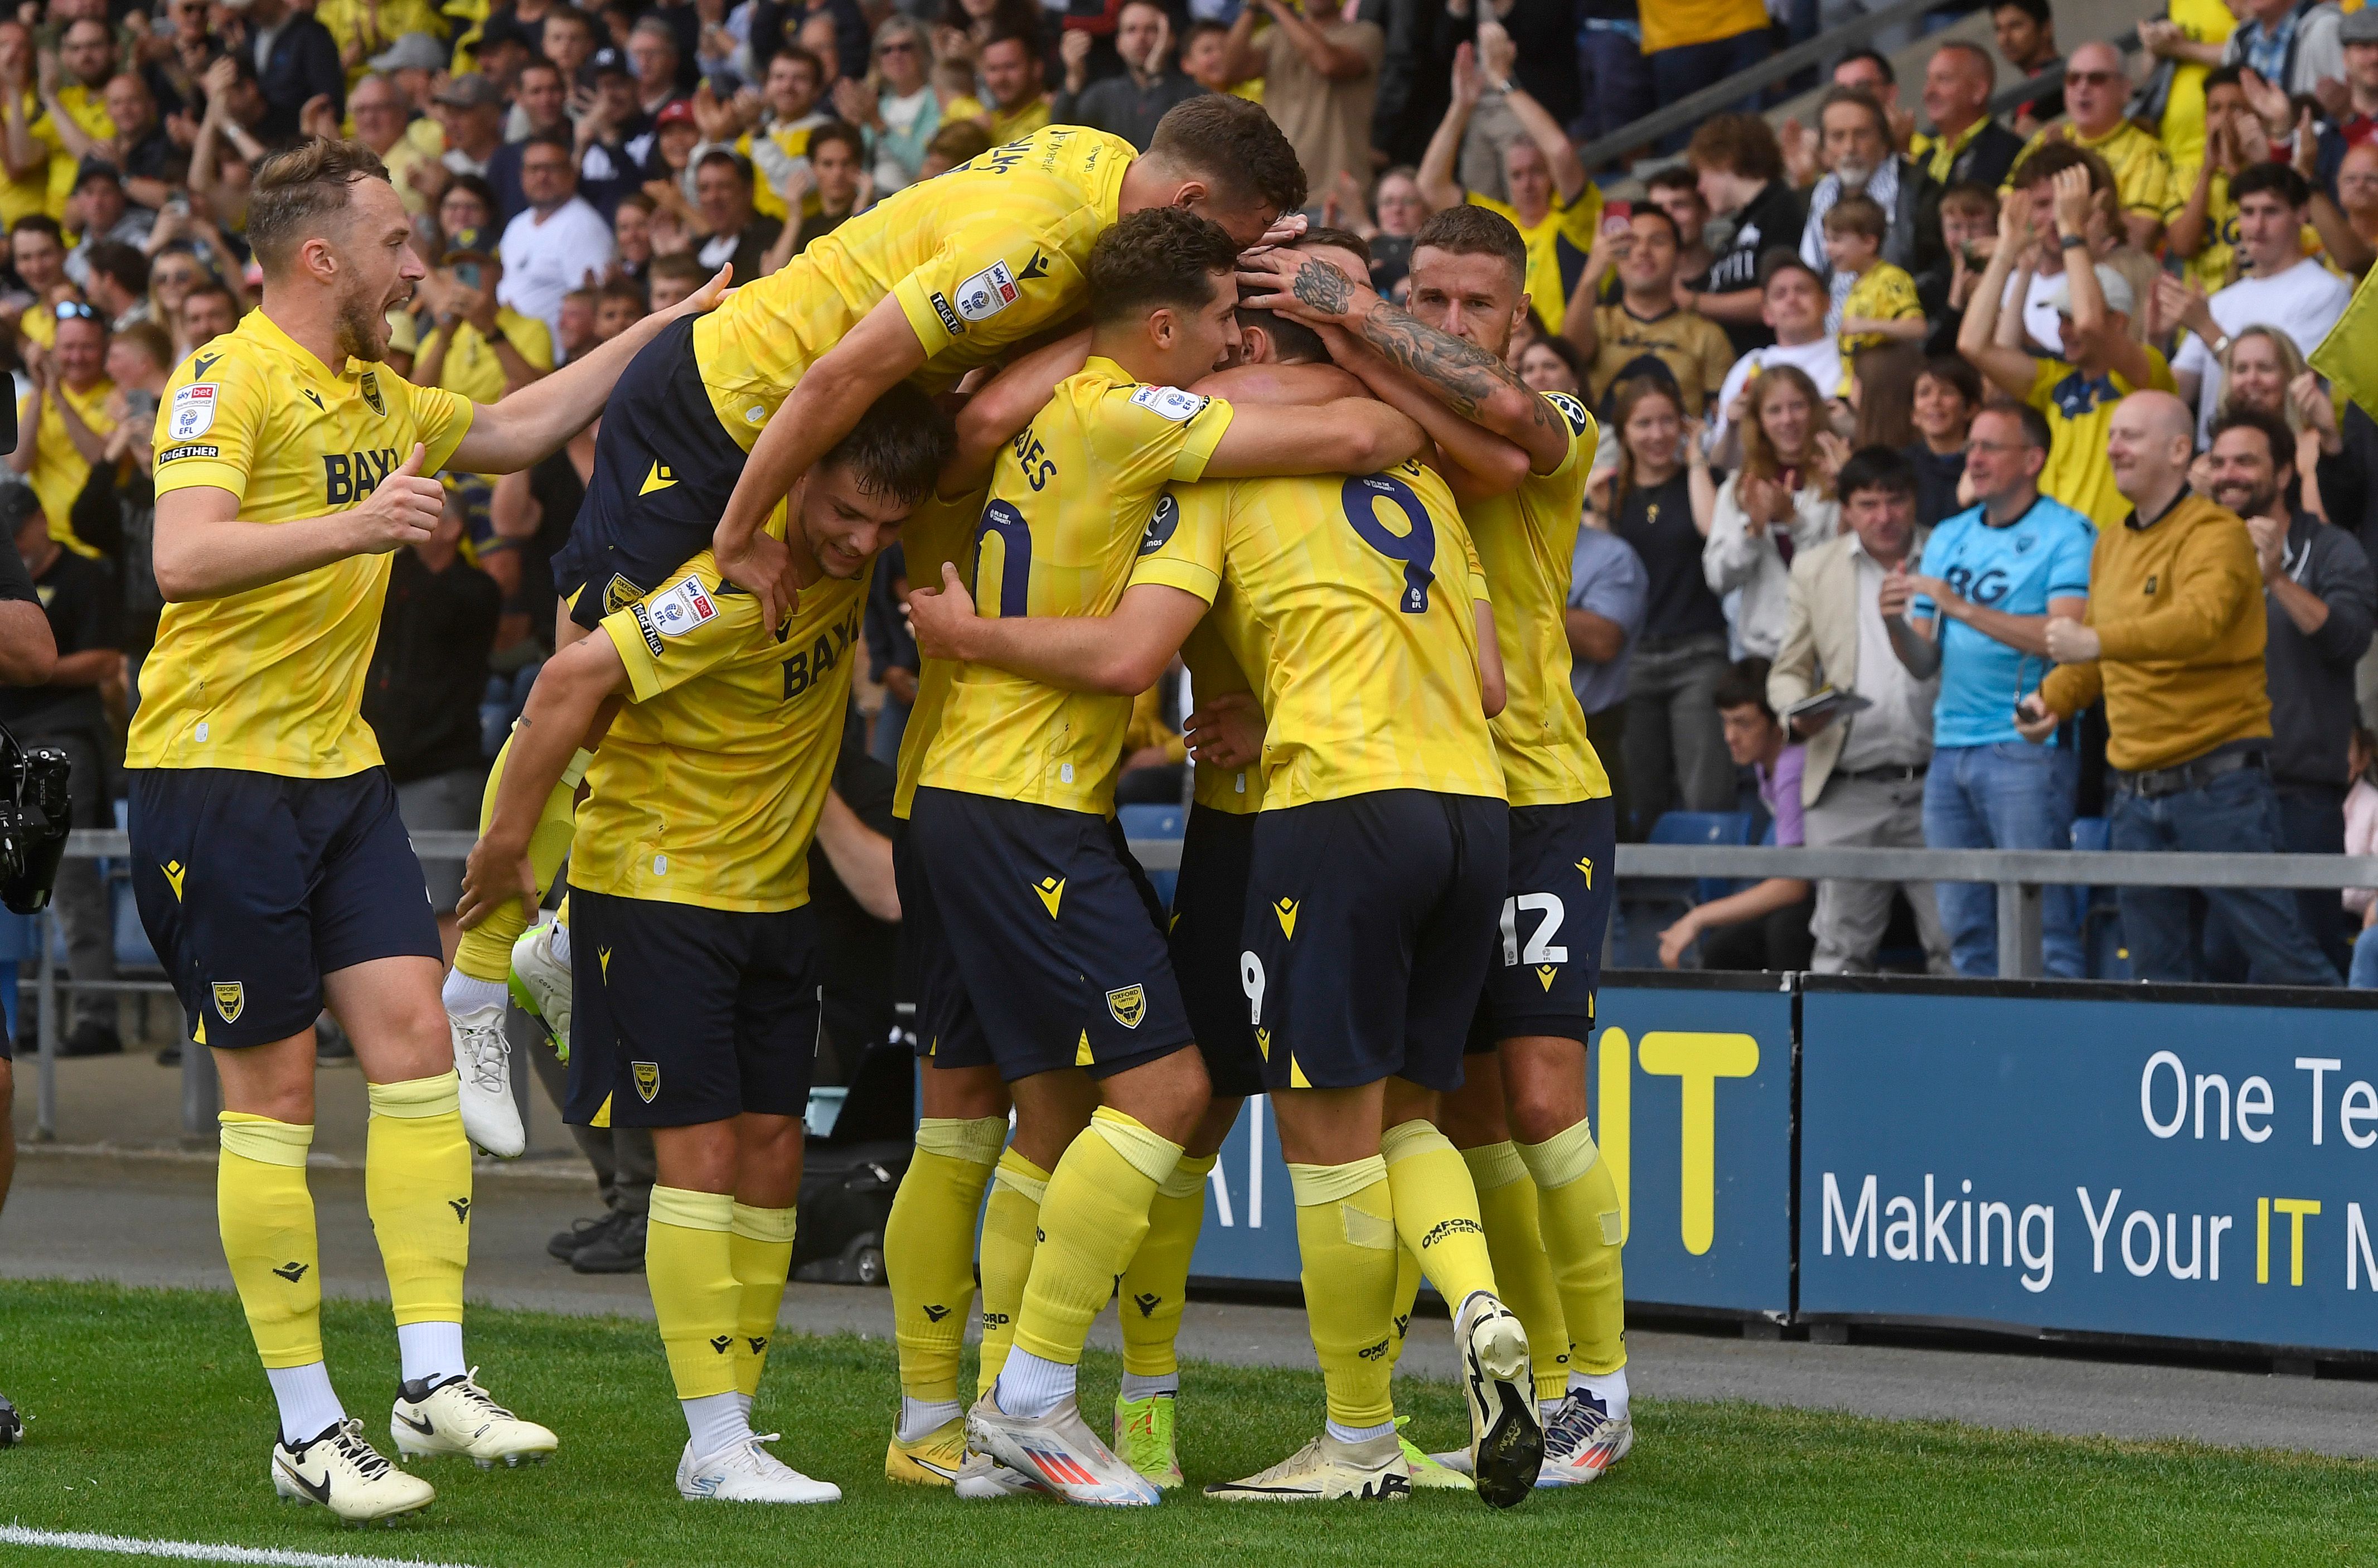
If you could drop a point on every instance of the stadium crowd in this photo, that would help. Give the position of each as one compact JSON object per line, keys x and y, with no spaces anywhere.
{"x":1858,"y":378}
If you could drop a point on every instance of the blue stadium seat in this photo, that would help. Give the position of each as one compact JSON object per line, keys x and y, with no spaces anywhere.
{"x":1704,"y":827}
{"x":1647,"y":905}
{"x":2096,"y":912}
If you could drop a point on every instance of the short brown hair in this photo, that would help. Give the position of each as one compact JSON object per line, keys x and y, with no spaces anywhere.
{"x":1475,"y":231}
{"x":898,"y":446}
{"x":2051,"y":158}
{"x":682,"y":265}
{"x":1973,"y":200}
{"x":296,"y":193}
{"x":1858,"y":215}
{"x":1737,"y":144}
{"x":1155,"y":257}
{"x":151,"y":340}
{"x":959,"y":140}
{"x":1235,"y":144}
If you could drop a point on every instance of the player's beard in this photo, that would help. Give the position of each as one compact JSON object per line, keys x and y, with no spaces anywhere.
{"x":361,"y":327}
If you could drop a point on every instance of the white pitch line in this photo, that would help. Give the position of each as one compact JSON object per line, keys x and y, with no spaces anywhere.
{"x":201,"y":1551}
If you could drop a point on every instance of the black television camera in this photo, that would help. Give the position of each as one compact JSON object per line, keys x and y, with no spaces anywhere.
{"x":35,"y":816}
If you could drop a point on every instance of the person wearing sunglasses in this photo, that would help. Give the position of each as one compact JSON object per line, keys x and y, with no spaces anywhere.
{"x":63,"y":419}
{"x":895,"y":106}
{"x":2096,"y":90}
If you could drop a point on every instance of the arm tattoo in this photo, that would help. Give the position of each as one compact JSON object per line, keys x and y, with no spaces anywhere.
{"x":1459,"y":371}
{"x":1323,"y":287}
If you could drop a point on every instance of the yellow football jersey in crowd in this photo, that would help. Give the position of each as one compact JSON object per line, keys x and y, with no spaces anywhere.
{"x":272,"y":680}
{"x":1526,"y":541}
{"x":979,"y":259}
{"x":1214,"y":671}
{"x":938,"y":532}
{"x":1556,"y":246}
{"x":1363,"y":589}
{"x":1882,"y":293}
{"x":707,"y":786}
{"x":1069,"y":500}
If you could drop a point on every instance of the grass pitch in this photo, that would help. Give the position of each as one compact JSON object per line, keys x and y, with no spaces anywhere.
{"x":150,"y":1420}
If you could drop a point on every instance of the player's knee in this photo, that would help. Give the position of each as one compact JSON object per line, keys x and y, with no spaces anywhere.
{"x":1214,"y":1127}
{"x":963,"y":1094}
{"x":1473,"y":1122}
{"x":1167,"y":1096}
{"x":1534,"y":1123}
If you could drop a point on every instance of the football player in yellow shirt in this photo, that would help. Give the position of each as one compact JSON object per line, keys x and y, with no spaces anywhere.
{"x":694,"y":953}
{"x":270,"y":869}
{"x":940,"y":279}
{"x":1051,"y":956}
{"x":1377,"y":763}
{"x":1519,"y":1117}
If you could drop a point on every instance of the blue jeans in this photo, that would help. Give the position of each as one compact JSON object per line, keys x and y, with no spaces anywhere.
{"x":891,"y":724}
{"x":1688,"y":68}
{"x":2013,"y":795}
{"x":2365,"y":961}
{"x":2238,"y":812}
{"x":1617,"y":83}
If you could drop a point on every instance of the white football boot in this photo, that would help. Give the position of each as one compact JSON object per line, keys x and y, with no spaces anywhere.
{"x":1326,"y":1469}
{"x":459,"y":1416}
{"x":347,"y":1475}
{"x":742,"y":1472}
{"x":540,"y":985}
{"x":483,"y":1057}
{"x":1061,"y":1452}
{"x":1506,"y":1434}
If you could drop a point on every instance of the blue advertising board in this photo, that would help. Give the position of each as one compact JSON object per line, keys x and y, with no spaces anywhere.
{"x":2185,"y":1162}
{"x":1690,"y":1088}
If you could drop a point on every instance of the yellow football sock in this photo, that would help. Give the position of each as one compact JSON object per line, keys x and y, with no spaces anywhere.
{"x":417,"y":1186}
{"x":1506,"y":1206}
{"x":267,"y":1216}
{"x":1407,"y":1295}
{"x":485,"y":952}
{"x":690,"y":1266}
{"x":927,"y":1247}
{"x":1156,"y":1286}
{"x":1011,"y":1228}
{"x":1436,"y":1211}
{"x":1346,"y":1240}
{"x":1579,"y":1203}
{"x":1092,"y":1220}
{"x":759,"y":1250}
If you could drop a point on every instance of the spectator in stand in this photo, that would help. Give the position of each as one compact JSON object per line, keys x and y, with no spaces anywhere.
{"x":578,"y":334}
{"x":559,"y":242}
{"x":1793,"y":306}
{"x":1646,"y":322}
{"x":567,"y":38}
{"x":1400,"y":209}
{"x":1689,"y":44}
{"x":2361,"y":839}
{"x":2356,"y":124}
{"x":732,"y":231}
{"x":481,"y":348}
{"x":893,"y":659}
{"x":2282,"y":288}
{"x":2174,"y":643}
{"x":117,"y":283}
{"x":1676,"y":192}
{"x":85,"y":611}
{"x":1948,"y":395}
{"x":1969,"y":232}
{"x":99,"y":207}
{"x":632,"y":238}
{"x":2097,"y":90}
{"x":209,"y":311}
{"x":1965,"y":146}
{"x":1739,"y":168}
{"x":2348,"y":223}
{"x":421,"y":695}
{"x":1553,"y":206}
{"x":1013,"y":86}
{"x":2078,"y":395}
{"x":2296,"y":45}
{"x":1975,"y":612}
{"x":2319,"y":606}
{"x":779,"y":145}
{"x":121,"y":483}
{"x":838,"y":164}
{"x":1551,"y":365}
{"x":1660,"y":500}
{"x":1127,"y":105}
{"x":1609,"y":597}
{"x":62,"y":425}
{"x":609,"y":167}
{"x":2025,"y":32}
{"x":652,"y":55}
{"x":1320,"y":67}
{"x":1864,"y":779}
{"x":153,"y":167}
{"x":2186,"y":44}
{"x":545,"y":98}
{"x":1857,"y":135}
{"x":1767,"y":925}
{"x":897,"y":105}
{"x":471,"y":108}
{"x":172,"y":276}
{"x":1613,"y":83}
{"x":37,"y":252}
{"x":467,"y":204}
{"x":2257,"y":373}
{"x":1879,"y":308}
{"x":380,"y":115}
{"x":1777,"y":505}
{"x":673,"y":277}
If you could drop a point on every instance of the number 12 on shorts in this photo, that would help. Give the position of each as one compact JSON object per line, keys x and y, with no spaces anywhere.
{"x":1540,"y":949}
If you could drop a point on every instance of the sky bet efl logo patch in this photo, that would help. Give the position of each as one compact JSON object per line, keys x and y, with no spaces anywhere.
{"x":194,"y":412}
{"x":682,"y":609}
{"x":987,"y":293}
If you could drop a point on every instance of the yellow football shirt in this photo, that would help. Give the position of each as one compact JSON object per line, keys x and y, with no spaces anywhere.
{"x":1363,"y":588}
{"x":1007,"y":125}
{"x":1526,"y":541}
{"x":1069,"y":500}
{"x":472,"y":368}
{"x":795,"y":142}
{"x":23,"y":197}
{"x":1556,"y":248}
{"x":979,"y":259}
{"x":1882,"y":293}
{"x":2080,"y":411}
{"x":938,"y":532}
{"x":1214,"y":671}
{"x":2142,"y":168}
{"x":60,"y":470}
{"x":272,"y":680}
{"x":708,"y":785}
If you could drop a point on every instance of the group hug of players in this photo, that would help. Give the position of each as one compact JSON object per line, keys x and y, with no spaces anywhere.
{"x":1353,"y":522}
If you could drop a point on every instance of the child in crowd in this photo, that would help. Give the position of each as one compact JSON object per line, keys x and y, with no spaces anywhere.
{"x":1881,"y":307}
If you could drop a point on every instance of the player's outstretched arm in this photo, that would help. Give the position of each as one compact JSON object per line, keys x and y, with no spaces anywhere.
{"x":999,"y":413}
{"x":204,"y":551}
{"x":1118,"y":655}
{"x":529,"y":424}
{"x":570,"y":692}
{"x":1353,"y":435}
{"x":1478,"y":464}
{"x":831,"y":395}
{"x":1457,"y":372}
{"x":1490,"y":660}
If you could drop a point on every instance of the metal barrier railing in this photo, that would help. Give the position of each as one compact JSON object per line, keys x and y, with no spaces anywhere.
{"x":2021,"y":877}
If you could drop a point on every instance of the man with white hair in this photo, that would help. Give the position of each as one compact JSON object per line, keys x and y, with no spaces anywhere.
{"x":1855,"y":132}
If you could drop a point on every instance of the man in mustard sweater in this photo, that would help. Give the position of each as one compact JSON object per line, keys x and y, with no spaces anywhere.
{"x":2173,"y":640}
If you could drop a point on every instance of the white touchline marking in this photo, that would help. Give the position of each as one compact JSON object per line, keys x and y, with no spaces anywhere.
{"x":201,"y":1551}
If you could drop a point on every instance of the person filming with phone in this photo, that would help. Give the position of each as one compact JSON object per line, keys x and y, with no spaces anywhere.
{"x":1974,"y":612}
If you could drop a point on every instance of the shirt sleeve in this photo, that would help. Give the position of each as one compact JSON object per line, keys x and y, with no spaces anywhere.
{"x":441,"y":420}
{"x":2068,"y":571}
{"x":1148,"y":436}
{"x":691,"y":624}
{"x":1183,"y":546}
{"x":2045,"y":374}
{"x":1614,"y":590}
{"x":1582,"y":435}
{"x":972,"y":287}
{"x":1931,"y":563}
{"x":208,"y":431}
{"x":1791,"y":816}
{"x":2192,"y":356}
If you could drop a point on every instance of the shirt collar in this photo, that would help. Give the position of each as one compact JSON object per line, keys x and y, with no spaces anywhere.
{"x":2132,"y":522}
{"x":260,"y":328}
